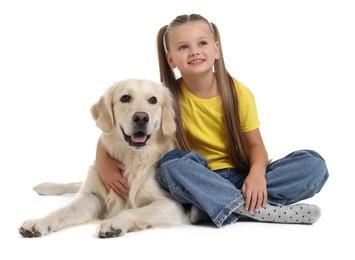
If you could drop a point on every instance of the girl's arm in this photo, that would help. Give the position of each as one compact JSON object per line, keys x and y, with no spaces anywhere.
{"x":254,"y":187}
{"x":111,"y":172}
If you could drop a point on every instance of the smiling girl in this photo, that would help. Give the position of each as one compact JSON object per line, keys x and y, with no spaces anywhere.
{"x":221,"y":167}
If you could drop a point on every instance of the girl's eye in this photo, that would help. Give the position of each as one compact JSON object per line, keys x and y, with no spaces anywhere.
{"x":182,"y":47}
{"x":153,"y":100}
{"x":125,"y":99}
{"x":203,"y":43}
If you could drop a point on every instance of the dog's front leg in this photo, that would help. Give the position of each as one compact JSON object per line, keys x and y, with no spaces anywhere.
{"x":163,"y":212}
{"x":83,"y":208}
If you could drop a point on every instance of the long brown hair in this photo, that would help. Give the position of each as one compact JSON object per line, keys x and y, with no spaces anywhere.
{"x":237,"y":149}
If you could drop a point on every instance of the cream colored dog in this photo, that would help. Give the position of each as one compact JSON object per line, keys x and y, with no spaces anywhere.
{"x":137,"y":122}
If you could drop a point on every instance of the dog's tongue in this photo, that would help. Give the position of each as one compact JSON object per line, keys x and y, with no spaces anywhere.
{"x":139,"y":137}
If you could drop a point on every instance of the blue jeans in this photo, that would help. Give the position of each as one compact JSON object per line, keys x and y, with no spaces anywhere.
{"x":298,"y":176}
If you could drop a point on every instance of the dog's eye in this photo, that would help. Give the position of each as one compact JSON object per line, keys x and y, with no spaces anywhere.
{"x":125,"y":99}
{"x":153,"y":100}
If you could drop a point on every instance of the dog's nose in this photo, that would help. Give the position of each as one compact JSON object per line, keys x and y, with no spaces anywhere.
{"x":141,"y":117}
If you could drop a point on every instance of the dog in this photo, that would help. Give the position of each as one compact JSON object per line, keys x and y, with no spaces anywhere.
{"x":137,"y":124}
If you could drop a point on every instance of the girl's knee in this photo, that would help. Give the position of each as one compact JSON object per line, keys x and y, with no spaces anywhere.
{"x":314,"y":154}
{"x":183,"y":158}
{"x":177,"y":165}
{"x":315,"y":163}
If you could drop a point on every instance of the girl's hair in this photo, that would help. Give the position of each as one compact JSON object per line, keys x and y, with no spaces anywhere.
{"x":226,"y":88}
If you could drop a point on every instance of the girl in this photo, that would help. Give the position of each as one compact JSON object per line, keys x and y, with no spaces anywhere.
{"x":222,"y":167}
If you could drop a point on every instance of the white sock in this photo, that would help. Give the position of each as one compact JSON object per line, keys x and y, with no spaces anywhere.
{"x":298,"y":213}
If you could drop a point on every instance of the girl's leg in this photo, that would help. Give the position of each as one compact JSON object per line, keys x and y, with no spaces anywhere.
{"x":298,"y":176}
{"x":187,"y":177}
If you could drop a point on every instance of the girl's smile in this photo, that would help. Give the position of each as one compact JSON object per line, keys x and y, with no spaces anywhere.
{"x":196,"y":61}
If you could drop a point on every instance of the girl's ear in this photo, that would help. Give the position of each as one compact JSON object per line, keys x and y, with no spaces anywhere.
{"x":170,"y":60}
{"x":102,"y":112}
{"x":217,"y":54}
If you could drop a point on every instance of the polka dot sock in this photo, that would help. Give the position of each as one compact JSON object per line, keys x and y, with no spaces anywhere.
{"x":298,"y":213}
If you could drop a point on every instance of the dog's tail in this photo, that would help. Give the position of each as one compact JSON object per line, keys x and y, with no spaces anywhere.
{"x":51,"y":188}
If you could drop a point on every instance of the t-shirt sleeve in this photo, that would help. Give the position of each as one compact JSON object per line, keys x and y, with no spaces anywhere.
{"x":248,"y":113}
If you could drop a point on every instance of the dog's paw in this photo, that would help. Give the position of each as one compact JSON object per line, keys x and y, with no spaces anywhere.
{"x":34,"y":228}
{"x":108,"y":230}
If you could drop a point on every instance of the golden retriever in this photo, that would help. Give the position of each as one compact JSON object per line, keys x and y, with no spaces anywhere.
{"x":137,"y":122}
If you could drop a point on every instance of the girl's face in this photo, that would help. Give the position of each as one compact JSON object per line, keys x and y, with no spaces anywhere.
{"x":192,"y":48}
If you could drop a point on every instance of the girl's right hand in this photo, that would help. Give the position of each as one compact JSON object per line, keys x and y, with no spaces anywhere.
{"x":111,"y":172}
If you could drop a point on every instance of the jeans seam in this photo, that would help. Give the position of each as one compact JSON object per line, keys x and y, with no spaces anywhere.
{"x":223,"y":215}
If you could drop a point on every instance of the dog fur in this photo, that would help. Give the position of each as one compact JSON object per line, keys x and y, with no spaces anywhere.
{"x":138,"y":127}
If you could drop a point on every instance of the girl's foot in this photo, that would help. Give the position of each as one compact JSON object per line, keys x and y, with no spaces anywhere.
{"x":297,"y":214}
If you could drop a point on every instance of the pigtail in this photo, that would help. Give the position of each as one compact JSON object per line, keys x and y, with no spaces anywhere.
{"x":229,"y":96}
{"x":167,"y":77}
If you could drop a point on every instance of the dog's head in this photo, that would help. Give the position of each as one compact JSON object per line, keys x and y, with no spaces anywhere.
{"x":136,"y":110}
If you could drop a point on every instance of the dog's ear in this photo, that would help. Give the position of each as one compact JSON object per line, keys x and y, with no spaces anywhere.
{"x":102,"y":112}
{"x":168,"y":124}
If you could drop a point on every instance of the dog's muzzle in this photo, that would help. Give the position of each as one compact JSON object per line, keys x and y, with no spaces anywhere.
{"x":139,"y":136}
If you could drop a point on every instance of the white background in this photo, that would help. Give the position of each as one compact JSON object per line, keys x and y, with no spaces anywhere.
{"x":58,"y":57}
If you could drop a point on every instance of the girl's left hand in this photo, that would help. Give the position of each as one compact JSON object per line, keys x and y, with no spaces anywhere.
{"x":254,"y":191}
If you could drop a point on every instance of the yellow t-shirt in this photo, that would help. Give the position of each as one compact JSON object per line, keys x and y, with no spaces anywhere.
{"x":203,"y":119}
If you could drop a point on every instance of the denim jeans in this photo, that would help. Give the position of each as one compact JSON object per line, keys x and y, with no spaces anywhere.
{"x":298,"y":176}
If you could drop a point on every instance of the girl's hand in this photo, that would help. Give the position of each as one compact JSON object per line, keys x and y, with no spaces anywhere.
{"x":254,"y":191}
{"x":254,"y":186}
{"x":111,"y":172}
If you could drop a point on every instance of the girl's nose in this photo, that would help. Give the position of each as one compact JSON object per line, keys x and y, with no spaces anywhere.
{"x":194,"y":51}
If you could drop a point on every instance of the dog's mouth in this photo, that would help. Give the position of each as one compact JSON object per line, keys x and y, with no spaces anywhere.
{"x":137,"y":139}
